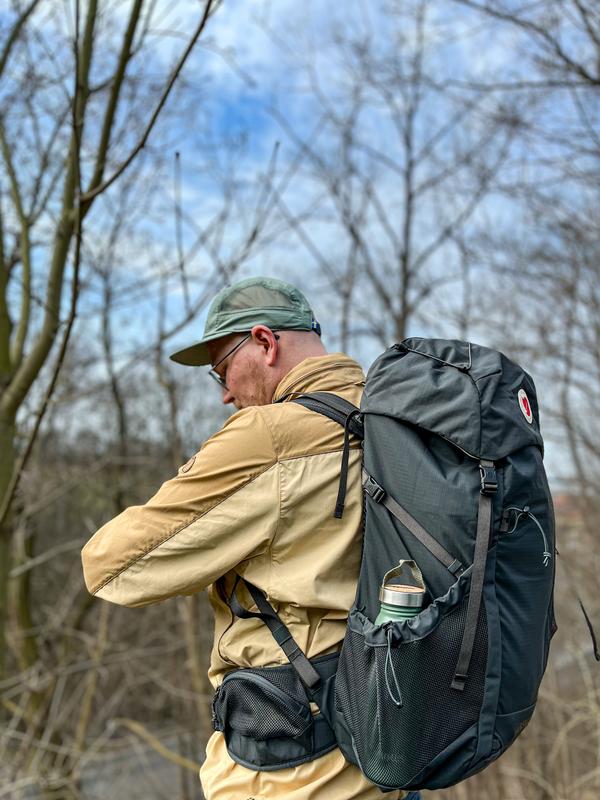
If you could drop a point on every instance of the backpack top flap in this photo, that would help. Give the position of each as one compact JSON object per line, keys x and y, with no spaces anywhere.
{"x":470,"y":395}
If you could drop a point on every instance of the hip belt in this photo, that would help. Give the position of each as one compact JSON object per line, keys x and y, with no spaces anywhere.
{"x":265,"y":716}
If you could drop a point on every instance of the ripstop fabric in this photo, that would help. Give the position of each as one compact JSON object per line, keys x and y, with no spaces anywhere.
{"x":445,"y":424}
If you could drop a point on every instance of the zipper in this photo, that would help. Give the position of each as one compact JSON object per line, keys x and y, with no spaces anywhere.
{"x":300,"y":709}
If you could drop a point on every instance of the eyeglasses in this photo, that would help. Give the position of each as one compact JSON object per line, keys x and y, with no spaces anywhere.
{"x":213,"y":371}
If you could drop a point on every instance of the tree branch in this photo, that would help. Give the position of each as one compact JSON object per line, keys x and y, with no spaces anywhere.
{"x":113,"y":99}
{"x":156,"y":744}
{"x":542,"y":34}
{"x":87,"y":198}
{"x":14,"y":34}
{"x":18,"y":343}
{"x":72,"y":193}
{"x":30,"y":367}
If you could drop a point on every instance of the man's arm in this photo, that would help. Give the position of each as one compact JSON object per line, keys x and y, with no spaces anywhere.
{"x":199,"y":525}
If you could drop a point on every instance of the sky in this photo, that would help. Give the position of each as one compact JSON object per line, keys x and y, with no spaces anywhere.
{"x":245,"y":105}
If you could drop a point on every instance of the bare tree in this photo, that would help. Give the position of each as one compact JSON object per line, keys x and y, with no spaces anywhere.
{"x":64,"y":141}
{"x":561,"y":37}
{"x":548,"y":250}
{"x":405,"y":161}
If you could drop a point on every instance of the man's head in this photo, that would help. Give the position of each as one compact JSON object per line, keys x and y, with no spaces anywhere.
{"x":256,"y":331}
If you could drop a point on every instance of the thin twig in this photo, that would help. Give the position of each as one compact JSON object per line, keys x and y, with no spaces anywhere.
{"x":156,"y":744}
{"x":44,"y":557}
{"x":21,"y":463}
{"x":210,"y":6}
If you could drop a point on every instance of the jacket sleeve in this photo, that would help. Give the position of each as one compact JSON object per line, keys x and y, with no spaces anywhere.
{"x":220,"y":509}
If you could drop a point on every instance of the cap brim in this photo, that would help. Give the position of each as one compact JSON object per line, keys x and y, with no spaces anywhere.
{"x":195,"y":356}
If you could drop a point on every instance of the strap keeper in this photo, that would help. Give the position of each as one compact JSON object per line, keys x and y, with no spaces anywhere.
{"x":456,"y":568}
{"x":291,"y":649}
{"x":459,"y":682}
{"x":282,"y":635}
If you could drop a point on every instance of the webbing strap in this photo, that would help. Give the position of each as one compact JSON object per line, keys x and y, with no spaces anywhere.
{"x":346,"y":414}
{"x":591,"y":630}
{"x":484,"y":524}
{"x":341,"y":497}
{"x":304,"y":669}
{"x":379,"y":495}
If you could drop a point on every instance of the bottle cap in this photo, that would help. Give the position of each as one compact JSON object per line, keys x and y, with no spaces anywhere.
{"x":402,"y":595}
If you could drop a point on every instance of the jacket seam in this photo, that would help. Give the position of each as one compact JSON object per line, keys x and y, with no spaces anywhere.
{"x":274,"y":536}
{"x":319,"y":453}
{"x":181,"y":528}
{"x":275,"y":532}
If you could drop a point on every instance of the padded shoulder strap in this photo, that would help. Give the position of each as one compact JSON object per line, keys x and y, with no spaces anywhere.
{"x":335,"y":407}
{"x":346,"y":414}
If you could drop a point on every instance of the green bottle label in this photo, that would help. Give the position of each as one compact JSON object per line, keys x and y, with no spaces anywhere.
{"x":388,"y":612}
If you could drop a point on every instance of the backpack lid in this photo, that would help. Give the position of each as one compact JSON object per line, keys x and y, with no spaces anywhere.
{"x":470,"y":395}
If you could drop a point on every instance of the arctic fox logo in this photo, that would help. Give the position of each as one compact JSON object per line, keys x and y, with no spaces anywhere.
{"x":525,"y":406}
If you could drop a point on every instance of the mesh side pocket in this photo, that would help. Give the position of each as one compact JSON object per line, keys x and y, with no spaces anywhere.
{"x":251,"y":704}
{"x":395,"y":744}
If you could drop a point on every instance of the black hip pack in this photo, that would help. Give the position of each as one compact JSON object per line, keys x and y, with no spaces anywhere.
{"x":264,"y":712}
{"x":265,"y":716}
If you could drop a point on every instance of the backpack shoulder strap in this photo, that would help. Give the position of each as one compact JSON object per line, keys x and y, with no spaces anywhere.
{"x":335,"y":407}
{"x":346,"y":414}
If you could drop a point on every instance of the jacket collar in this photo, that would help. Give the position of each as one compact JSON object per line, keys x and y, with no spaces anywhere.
{"x":329,"y":373}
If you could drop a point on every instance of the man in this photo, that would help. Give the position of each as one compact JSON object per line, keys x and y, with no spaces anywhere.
{"x":256,"y":501}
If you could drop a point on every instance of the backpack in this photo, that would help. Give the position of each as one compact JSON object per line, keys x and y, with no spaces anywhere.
{"x":454,"y":481}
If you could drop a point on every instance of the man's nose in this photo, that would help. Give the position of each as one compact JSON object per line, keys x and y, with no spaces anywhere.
{"x":227,"y":396}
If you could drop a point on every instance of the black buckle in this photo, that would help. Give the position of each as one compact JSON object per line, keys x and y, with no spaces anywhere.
{"x":374,"y":490}
{"x":489,"y":480}
{"x":456,"y":568}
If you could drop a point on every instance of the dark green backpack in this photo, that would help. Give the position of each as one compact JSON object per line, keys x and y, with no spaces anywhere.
{"x":453,"y":480}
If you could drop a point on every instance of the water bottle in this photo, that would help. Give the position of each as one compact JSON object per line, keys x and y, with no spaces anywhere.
{"x":401,"y":600}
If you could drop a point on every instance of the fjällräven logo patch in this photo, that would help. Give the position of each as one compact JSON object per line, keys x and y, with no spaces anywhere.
{"x":525,"y":405}
{"x":188,"y":465}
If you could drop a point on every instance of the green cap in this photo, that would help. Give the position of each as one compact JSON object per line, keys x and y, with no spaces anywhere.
{"x":238,"y":308}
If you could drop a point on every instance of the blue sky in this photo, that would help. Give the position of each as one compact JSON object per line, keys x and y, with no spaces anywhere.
{"x":259,"y":56}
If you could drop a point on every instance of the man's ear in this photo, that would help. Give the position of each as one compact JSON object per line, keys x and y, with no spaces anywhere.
{"x":266,"y":339}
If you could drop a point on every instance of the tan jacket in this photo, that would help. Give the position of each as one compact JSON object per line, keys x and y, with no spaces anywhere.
{"x":257,"y":500}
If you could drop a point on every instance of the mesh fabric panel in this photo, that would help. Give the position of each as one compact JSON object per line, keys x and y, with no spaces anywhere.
{"x":395,"y":744}
{"x":256,"y":710}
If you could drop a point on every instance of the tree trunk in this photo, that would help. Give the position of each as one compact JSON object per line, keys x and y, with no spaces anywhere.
{"x":7,"y":461}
